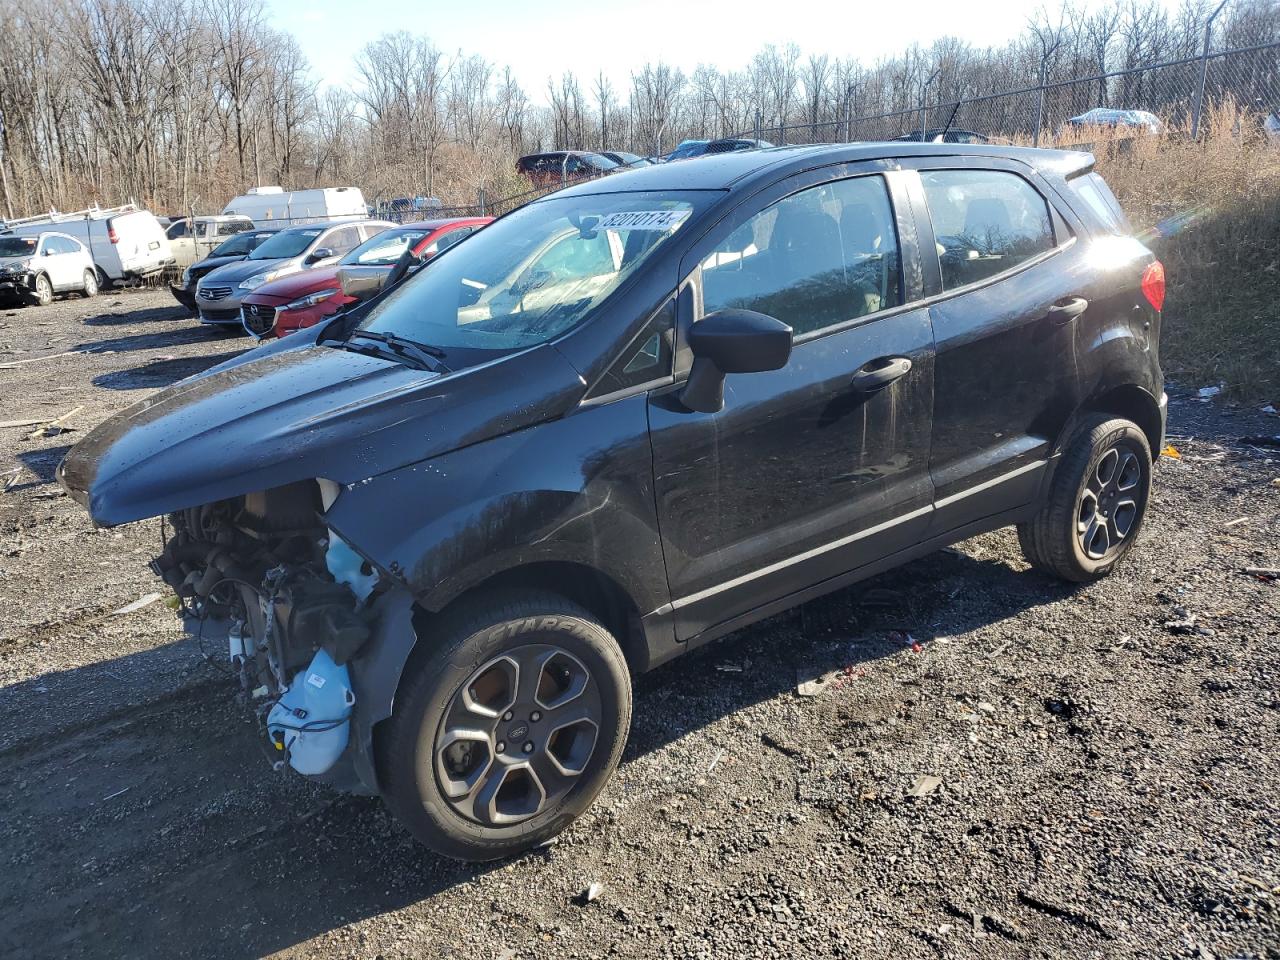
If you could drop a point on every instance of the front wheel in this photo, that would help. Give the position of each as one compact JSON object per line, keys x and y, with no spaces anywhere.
{"x":90,"y":286}
{"x":506,"y":732}
{"x":43,"y":291}
{"x":1096,"y":505}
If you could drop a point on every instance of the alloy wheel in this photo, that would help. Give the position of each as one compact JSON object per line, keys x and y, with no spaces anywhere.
{"x":1109,"y":503}
{"x":518,"y":735}
{"x":44,"y":291}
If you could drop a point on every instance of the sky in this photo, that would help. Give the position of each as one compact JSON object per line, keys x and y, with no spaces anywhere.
{"x":543,"y":38}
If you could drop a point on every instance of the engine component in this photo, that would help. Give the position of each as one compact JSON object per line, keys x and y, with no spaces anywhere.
{"x":311,"y":722}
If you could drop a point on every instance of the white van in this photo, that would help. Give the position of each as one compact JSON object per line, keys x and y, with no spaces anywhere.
{"x":277,"y":207}
{"x":126,"y":243}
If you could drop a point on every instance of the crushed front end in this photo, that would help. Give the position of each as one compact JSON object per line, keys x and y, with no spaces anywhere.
{"x":293,"y":605}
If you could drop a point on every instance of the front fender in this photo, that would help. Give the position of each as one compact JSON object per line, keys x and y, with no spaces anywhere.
{"x":577,"y":490}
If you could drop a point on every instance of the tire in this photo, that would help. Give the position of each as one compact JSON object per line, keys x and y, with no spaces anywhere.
{"x":1096,"y":505}
{"x":521,"y":776}
{"x":43,"y":291}
{"x":90,"y":288}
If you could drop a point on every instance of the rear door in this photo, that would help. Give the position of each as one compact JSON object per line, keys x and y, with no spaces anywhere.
{"x":1008,"y":292}
{"x":804,"y":474}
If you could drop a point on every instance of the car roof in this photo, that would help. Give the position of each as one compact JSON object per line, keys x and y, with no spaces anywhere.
{"x":722,"y":171}
{"x":443,"y":222}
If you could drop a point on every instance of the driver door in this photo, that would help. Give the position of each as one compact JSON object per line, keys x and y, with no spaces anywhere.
{"x":803,"y":475}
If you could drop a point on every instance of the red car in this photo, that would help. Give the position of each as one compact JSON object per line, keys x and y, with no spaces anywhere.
{"x":303,"y":299}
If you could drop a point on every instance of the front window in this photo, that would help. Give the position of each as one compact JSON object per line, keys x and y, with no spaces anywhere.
{"x":534,"y":274}
{"x":17,"y":246}
{"x":288,"y":243}
{"x":239,"y":245}
{"x":384,"y":249}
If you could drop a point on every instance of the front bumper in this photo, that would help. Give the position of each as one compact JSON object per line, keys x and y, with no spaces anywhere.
{"x":184,"y":296}
{"x":220,"y":317}
{"x":16,"y":284}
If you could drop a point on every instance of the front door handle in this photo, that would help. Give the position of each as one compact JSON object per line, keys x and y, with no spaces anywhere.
{"x":880,"y":373}
{"x":1064,"y":311}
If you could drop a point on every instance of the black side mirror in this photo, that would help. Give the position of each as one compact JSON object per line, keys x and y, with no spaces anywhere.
{"x":731,"y":341}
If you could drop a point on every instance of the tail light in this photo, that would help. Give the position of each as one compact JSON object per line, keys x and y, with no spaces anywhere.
{"x":1153,"y":284}
{"x":115,"y":237}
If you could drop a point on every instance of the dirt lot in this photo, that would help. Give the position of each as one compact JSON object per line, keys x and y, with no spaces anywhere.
{"x":1107,"y":757}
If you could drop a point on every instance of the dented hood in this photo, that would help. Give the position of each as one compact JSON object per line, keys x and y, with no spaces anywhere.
{"x":282,"y":414}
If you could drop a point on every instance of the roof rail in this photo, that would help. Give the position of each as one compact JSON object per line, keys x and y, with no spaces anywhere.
{"x":89,"y":213}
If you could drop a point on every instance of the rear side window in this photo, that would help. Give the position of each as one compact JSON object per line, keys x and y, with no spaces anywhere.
{"x":814,"y":259}
{"x":1097,"y":196}
{"x":984,"y":222}
{"x":340,"y":241}
{"x":178,"y":230}
{"x":231,"y":227}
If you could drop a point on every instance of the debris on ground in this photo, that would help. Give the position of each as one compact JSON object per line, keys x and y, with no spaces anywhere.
{"x":54,"y":427}
{"x":1261,"y":440}
{"x":143,"y":601}
{"x":591,"y":894}
{"x":1208,"y":393}
{"x":923,"y":786}
{"x":1270,"y":574}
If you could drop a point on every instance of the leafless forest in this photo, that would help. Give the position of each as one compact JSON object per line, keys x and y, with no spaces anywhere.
{"x":180,"y":104}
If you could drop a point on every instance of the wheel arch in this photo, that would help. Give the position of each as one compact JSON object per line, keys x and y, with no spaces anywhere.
{"x":1132,"y":403}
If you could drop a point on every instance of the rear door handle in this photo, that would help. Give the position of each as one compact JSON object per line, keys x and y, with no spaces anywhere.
{"x":1064,"y":311}
{"x":879,"y":373}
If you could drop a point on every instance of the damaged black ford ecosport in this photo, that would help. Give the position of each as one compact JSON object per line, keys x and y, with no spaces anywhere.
{"x":439,"y":533}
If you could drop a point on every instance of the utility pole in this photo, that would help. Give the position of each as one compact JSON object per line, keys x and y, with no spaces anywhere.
{"x":1204,"y":73}
{"x":924,"y":110}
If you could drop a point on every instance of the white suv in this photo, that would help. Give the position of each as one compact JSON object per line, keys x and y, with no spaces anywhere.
{"x":35,"y":268}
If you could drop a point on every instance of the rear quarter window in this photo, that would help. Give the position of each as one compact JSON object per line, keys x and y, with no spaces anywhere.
{"x":1095,"y":195}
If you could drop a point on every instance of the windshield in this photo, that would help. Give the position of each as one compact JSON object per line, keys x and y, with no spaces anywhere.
{"x":17,"y":246}
{"x":533,"y":274}
{"x":239,"y":245}
{"x":384,"y":249}
{"x":286,"y":244}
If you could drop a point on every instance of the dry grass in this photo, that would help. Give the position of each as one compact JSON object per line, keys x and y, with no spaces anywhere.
{"x":1211,"y":212}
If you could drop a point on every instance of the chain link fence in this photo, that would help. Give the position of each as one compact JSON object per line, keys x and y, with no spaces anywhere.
{"x":1176,"y":93}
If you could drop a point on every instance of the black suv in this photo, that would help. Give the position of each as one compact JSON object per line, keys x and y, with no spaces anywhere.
{"x":440,"y":532}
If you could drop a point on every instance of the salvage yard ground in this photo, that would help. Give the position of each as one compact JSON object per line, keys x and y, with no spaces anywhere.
{"x":985,"y":763}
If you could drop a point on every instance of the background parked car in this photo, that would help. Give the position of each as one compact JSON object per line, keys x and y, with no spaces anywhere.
{"x":277,"y":207}
{"x":687,"y":149}
{"x":231,"y":250}
{"x":192,"y":240}
{"x":558,"y":166}
{"x":33,"y":269}
{"x":735,"y":145}
{"x":626,"y":159}
{"x":941,"y":135}
{"x":218,"y":294}
{"x":126,"y":243}
{"x":1137,"y":121}
{"x":303,"y":299}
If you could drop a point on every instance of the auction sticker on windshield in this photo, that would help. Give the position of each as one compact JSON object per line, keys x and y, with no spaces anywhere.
{"x":661,"y":220}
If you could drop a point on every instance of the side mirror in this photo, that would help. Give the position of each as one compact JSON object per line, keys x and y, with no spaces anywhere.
{"x":731,"y":341}
{"x":320,"y":253}
{"x":360,"y":284}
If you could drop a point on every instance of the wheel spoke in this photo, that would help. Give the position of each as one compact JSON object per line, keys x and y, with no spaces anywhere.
{"x":1096,"y":540}
{"x":1087,"y":512}
{"x":555,"y":780}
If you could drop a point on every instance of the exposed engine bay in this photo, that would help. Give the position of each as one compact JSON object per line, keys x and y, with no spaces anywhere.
{"x":293,"y":601}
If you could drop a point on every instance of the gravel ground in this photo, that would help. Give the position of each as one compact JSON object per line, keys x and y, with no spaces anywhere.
{"x":1044,"y":771}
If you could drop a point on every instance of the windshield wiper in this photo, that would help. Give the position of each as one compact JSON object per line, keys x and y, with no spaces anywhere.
{"x":402,"y":346}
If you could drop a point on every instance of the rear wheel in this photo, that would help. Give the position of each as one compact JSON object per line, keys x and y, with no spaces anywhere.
{"x":509,"y":729}
{"x":90,"y":286}
{"x":1096,"y":505}
{"x":43,"y":291}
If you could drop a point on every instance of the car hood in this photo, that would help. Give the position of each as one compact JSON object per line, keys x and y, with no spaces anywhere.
{"x":21,"y":261}
{"x":298,"y":410}
{"x":241,"y":270}
{"x":295,"y":285}
{"x":208,"y":264}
